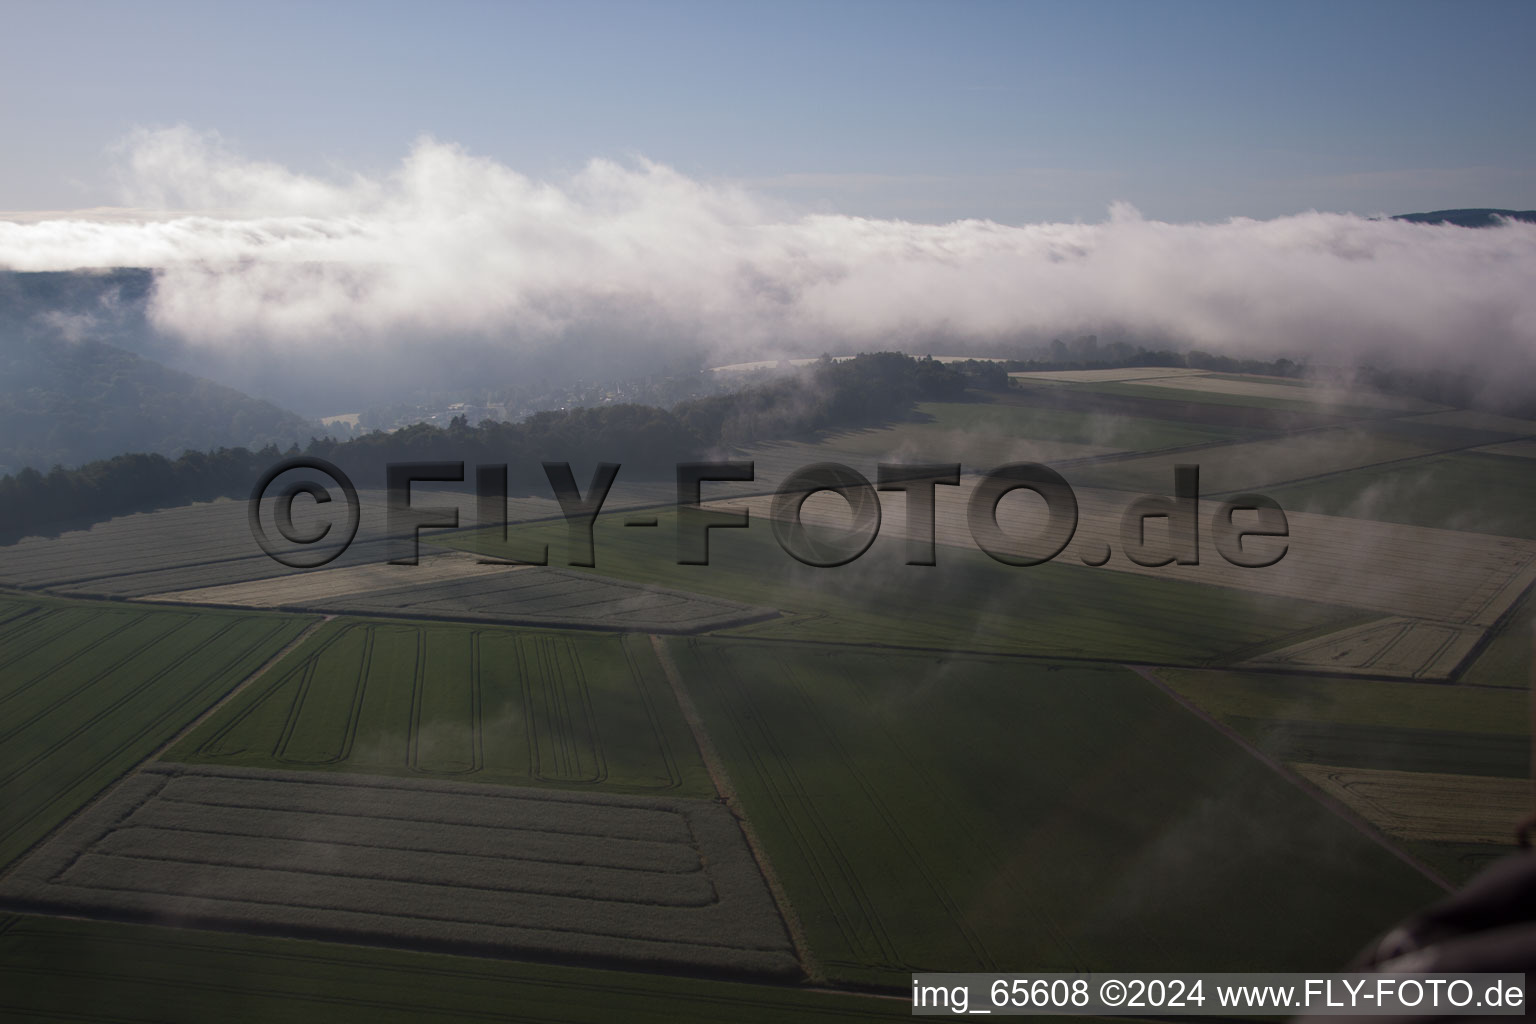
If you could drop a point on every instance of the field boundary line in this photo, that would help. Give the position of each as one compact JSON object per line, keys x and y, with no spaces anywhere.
{"x":1057,"y":658}
{"x":715,"y":765}
{"x":1336,"y":807}
{"x":133,"y":770}
{"x":1384,"y":464}
{"x":237,"y":689}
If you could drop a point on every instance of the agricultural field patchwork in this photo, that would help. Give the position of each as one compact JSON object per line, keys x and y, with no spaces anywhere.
{"x":1435,"y":591}
{"x":967,"y":602}
{"x":1442,"y":770}
{"x":1448,"y":587}
{"x":466,"y":868}
{"x":835,"y":775}
{"x":88,"y":690}
{"x":487,"y":704}
{"x":959,"y":813}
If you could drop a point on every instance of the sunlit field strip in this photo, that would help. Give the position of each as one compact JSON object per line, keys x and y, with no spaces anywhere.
{"x":1429,"y":806}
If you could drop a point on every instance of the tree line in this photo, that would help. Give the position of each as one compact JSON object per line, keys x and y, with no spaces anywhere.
{"x":863,"y":391}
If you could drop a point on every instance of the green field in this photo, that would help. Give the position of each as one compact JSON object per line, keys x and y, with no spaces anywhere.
{"x":1300,"y":404}
{"x":979,"y":433}
{"x":1471,"y":491}
{"x":957,"y":813}
{"x":89,"y":689}
{"x":966,"y":602}
{"x":480,"y":703}
{"x":69,"y":970}
{"x":1509,"y":658}
{"x":1473,"y":731}
{"x":1364,"y":702}
{"x":1258,"y":464}
{"x":962,"y":767}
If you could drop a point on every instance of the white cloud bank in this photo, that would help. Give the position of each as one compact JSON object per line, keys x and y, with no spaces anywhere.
{"x":453,"y":245}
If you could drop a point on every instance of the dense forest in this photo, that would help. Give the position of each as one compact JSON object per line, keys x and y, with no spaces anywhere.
{"x":863,"y":391}
{"x":67,"y":402}
{"x":1480,"y":217}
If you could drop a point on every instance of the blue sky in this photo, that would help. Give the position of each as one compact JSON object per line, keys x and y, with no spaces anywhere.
{"x":1017,"y":112}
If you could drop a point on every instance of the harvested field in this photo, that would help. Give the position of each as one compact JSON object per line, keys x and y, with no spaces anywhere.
{"x":480,"y":704}
{"x":559,"y":597}
{"x":87,"y":690}
{"x":322,"y":585}
{"x":466,"y":868}
{"x":1428,"y":806}
{"x":1398,"y":647}
{"x":456,"y":586}
{"x":960,"y":813}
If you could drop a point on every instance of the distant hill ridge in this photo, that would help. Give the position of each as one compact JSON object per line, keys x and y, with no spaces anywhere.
{"x":1472,"y":218}
{"x":69,"y":402}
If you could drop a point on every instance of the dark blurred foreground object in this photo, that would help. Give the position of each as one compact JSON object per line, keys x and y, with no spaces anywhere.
{"x":1487,"y":927}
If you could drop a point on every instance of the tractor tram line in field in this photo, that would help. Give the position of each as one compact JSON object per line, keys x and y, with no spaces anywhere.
{"x":726,"y":793}
{"x":516,"y":779}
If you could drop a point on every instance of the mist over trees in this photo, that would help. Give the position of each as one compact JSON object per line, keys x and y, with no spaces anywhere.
{"x":68,"y":402}
{"x":647,"y":441}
